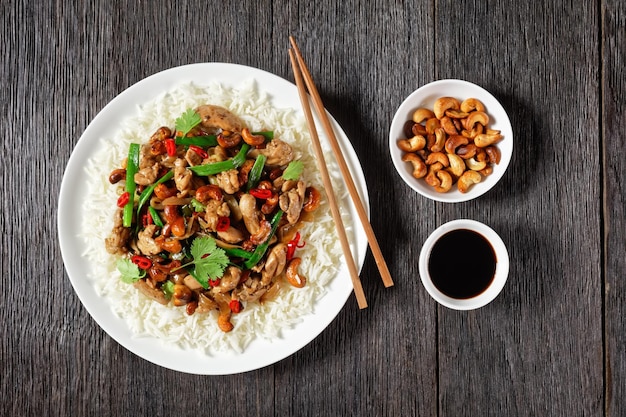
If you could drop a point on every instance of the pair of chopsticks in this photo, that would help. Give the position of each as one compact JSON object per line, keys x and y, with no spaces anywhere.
{"x":301,"y":71}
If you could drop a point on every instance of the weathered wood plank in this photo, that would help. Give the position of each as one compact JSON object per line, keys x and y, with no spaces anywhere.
{"x":614,"y":263}
{"x":536,"y":350}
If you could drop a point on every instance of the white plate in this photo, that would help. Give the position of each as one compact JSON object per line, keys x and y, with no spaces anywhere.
{"x":260,"y":352}
{"x":426,"y":96}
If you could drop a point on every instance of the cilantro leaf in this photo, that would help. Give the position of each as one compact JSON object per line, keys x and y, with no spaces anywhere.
{"x":209,"y":261}
{"x":130,"y":272}
{"x":187,"y":121}
{"x":198,"y":207}
{"x":293,"y":170}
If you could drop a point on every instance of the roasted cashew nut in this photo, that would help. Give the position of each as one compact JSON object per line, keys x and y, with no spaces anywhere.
{"x":457,"y":165}
{"x":416,"y":143}
{"x":474,"y":118}
{"x":472,"y":104}
{"x":438,"y":157}
{"x":422,"y":114}
{"x":445,"y":182}
{"x":485,"y":139}
{"x":444,"y":103}
{"x":431,"y":178}
{"x":454,"y":142}
{"x":468,"y":179}
{"x":475,"y":165}
{"x":419,"y":166}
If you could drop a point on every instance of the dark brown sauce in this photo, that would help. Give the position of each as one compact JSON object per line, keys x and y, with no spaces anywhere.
{"x":462,"y":264}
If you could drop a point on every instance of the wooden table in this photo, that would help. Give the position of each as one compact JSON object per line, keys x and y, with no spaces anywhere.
{"x":552,"y":344}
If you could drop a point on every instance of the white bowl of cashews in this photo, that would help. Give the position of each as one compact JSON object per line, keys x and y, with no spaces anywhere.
{"x":451,"y":141}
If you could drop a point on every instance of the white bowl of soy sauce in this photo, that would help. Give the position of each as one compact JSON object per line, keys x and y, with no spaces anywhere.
{"x":464,"y":264}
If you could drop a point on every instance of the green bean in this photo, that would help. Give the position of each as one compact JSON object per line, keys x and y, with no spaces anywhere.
{"x":262,"y":248}
{"x":132,"y":166}
{"x":256,"y":171}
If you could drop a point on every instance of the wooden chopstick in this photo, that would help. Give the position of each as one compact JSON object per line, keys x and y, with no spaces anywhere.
{"x":328,"y":186}
{"x":356,"y":199}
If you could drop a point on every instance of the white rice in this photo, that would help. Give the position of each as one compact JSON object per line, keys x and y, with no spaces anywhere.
{"x":172,"y":325}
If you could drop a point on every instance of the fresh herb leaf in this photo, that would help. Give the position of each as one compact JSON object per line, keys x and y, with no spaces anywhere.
{"x":197,"y":206}
{"x":168,"y":289}
{"x":187,"y":121}
{"x":130,"y":272}
{"x":293,"y":170}
{"x":209,"y":261}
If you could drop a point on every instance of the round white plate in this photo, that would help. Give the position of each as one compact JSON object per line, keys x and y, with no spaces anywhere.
{"x":260,"y":352}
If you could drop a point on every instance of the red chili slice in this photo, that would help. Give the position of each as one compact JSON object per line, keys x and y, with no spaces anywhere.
{"x":263,"y":194}
{"x":141,"y":261}
{"x":147,"y":219}
{"x":223,"y":223}
{"x":123,"y":200}
{"x":293,"y":244}
{"x":214,"y":282}
{"x":235,"y":306}
{"x":199,"y":151}
{"x":170,"y":146}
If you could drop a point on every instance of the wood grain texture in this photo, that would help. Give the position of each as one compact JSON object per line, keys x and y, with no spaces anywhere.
{"x":613,"y":21}
{"x":553,"y":343}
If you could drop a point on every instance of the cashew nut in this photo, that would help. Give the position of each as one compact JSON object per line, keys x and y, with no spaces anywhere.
{"x":438,"y":157}
{"x":471,"y":104}
{"x":431,"y":178}
{"x":457,"y":165}
{"x":468,"y":179}
{"x":466,"y":151}
{"x":422,"y":114}
{"x":416,"y":143}
{"x":448,"y":126}
{"x":446,"y":182}
{"x":494,"y":154}
{"x":475,"y":165}
{"x":476,"y":117}
{"x":456,"y":114}
{"x":444,"y":103}
{"x":485,"y":139}
{"x":454,"y":142}
{"x":432,"y":124}
{"x":419,"y":166}
{"x":440,"y":140}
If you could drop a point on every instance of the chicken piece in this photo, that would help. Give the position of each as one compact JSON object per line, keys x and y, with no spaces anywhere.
{"x":251,"y":216}
{"x":193,"y":158}
{"x":119,"y":237}
{"x":205,"y":303}
{"x":182,"y":176}
{"x":231,"y":235}
{"x":213,"y":211}
{"x":278,"y":153}
{"x":145,"y":242}
{"x":275,"y":264}
{"x":229,"y":280}
{"x":251,"y":290}
{"x":155,"y":293}
{"x":291,"y":202}
{"x":218,"y":118}
{"x":147,"y":175}
{"x":228,"y":181}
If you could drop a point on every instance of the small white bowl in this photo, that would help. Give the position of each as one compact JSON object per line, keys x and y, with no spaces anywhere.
{"x":425,"y":97}
{"x":501,"y":270}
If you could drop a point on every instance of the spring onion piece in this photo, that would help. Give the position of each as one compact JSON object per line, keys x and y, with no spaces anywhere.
{"x":237,"y":253}
{"x":269,"y":134}
{"x":217,"y":167}
{"x":256,"y":171}
{"x":204,"y":141}
{"x":262,"y":248}
{"x":155,"y":216}
{"x":132,"y":166}
{"x":145,"y":196}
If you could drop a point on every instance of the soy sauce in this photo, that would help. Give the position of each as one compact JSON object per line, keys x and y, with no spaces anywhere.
{"x":462,"y":264}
